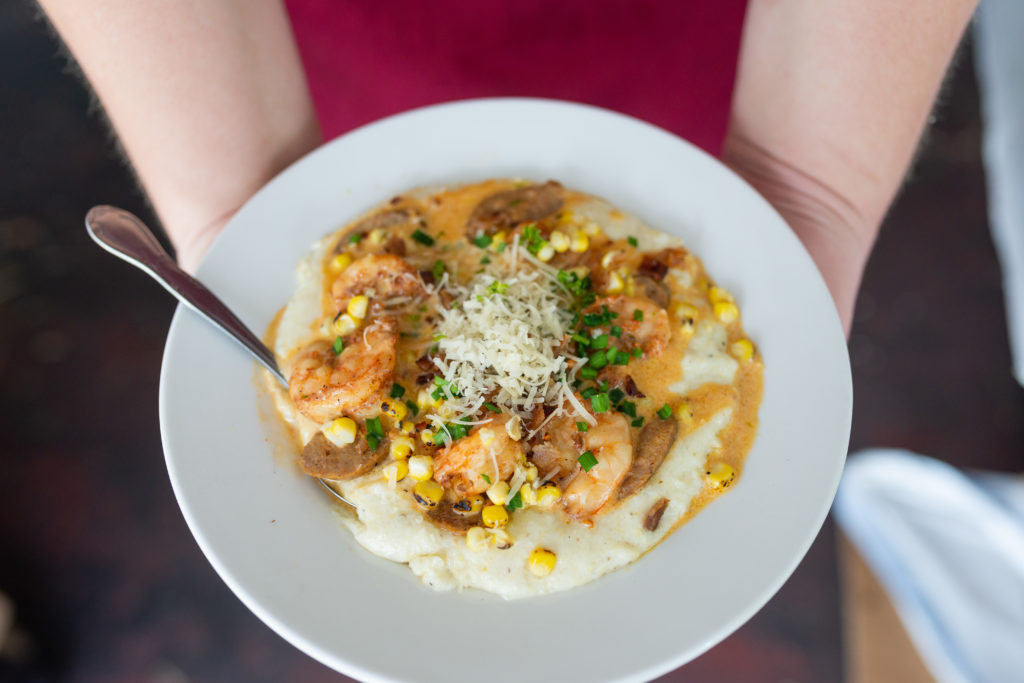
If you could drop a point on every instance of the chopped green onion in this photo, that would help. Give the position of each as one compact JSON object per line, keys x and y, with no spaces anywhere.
{"x":413,"y":408}
{"x":636,"y":353}
{"x":616,"y":331}
{"x":485,"y":260}
{"x":616,"y":395}
{"x":580,"y":339}
{"x":639,"y":422}
{"x":592,"y":319}
{"x":493,"y":408}
{"x":483,"y":240}
{"x":374,"y":427}
{"x":397,"y":391}
{"x":338,"y":346}
{"x":600,"y":403}
{"x":612,"y":355}
{"x":628,"y":408}
{"x":423,"y":238}
{"x":485,"y":478}
{"x":665,"y":412}
{"x":600,"y":341}
{"x":588,"y":372}
{"x":438,"y":269}
{"x":598,"y":359}
{"x":437,"y":394}
{"x":501,"y":246}
{"x":638,"y":315}
{"x":587,"y":461}
{"x":497,"y":287}
{"x":588,"y":392}
{"x":516,"y":502}
{"x":582,"y":426}
{"x":621,"y":358}
{"x":373,"y":440}
{"x":604,"y":385}
{"x":632,"y":241}
{"x":355,"y":238}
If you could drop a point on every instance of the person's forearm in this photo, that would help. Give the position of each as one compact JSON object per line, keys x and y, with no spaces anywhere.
{"x":208,"y":98}
{"x":830,"y":102}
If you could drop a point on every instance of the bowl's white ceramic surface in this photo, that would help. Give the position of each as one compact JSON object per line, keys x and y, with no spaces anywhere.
{"x":272,"y":534}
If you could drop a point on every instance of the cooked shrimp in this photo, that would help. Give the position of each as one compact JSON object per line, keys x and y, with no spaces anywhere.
{"x":378,"y":276}
{"x":651,"y":332}
{"x":609,"y":441}
{"x":324,"y":385}
{"x":555,"y":456}
{"x":487,"y":450}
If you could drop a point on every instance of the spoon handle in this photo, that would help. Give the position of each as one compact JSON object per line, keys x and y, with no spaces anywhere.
{"x":125,"y":236}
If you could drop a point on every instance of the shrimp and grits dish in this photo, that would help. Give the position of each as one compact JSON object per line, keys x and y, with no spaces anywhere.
{"x":518,"y":387}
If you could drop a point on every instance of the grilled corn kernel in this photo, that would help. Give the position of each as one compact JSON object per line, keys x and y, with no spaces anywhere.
{"x":531,"y":473}
{"x":528,"y":495}
{"x":340,"y":431}
{"x":546,"y":253}
{"x":428,"y":493}
{"x":401,"y":447}
{"x":687,"y":314}
{"x":743,"y":350}
{"x":717,"y":294}
{"x":427,"y":436}
{"x":591,"y":228}
{"x":476,"y":538}
{"x":721,"y":474}
{"x":559,"y":241}
{"x":726,"y":311}
{"x":340,"y":262}
{"x":376,"y":237}
{"x":501,"y":539}
{"x":541,"y":562}
{"x":615,"y":284}
{"x":580,"y":242}
{"x":487,"y":436}
{"x":395,"y":471}
{"x":630,"y":289}
{"x":494,"y":516}
{"x":407,"y":427}
{"x":357,"y":306}
{"x":685,"y":412}
{"x":470,"y":505}
{"x":345,"y":324}
{"x":421,"y":467}
{"x":425,"y":401}
{"x":566,"y":217}
{"x":396,"y":409}
{"x":609,"y":258}
{"x":548,"y":495}
{"x":498,"y":492}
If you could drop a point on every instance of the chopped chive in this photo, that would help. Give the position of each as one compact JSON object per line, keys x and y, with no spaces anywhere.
{"x":582,"y":426}
{"x":580,"y":339}
{"x":621,"y":358}
{"x":665,"y":412}
{"x":439,"y":437}
{"x":616,"y":331}
{"x":423,"y":238}
{"x":639,"y":422}
{"x":338,"y":346}
{"x":497,"y":287}
{"x":493,"y":408}
{"x":612,"y":355}
{"x":587,"y":461}
{"x":598,"y":360}
{"x":413,"y":408}
{"x":438,"y":269}
{"x":397,"y":391}
{"x":638,"y":315}
{"x":588,"y":392}
{"x":632,"y":241}
{"x":600,"y":403}
{"x":516,"y":502}
{"x":588,"y":372}
{"x":437,"y":394}
{"x":373,"y":440}
{"x":628,"y":408}
{"x":501,"y":246}
{"x":604,"y":385}
{"x":483,"y":241}
{"x":636,"y":352}
{"x":592,"y":319}
{"x":600,"y":341}
{"x":616,"y":395}
{"x":485,"y":478}
{"x":374,"y":427}
{"x":355,"y":238}
{"x":485,"y":260}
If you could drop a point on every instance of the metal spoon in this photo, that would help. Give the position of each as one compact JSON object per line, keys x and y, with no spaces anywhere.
{"x":125,"y":236}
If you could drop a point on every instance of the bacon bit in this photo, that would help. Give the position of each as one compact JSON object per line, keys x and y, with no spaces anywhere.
{"x":654,"y":514}
{"x":631,"y":388}
{"x":654,"y":267}
{"x":396,"y":246}
{"x":428,"y":277}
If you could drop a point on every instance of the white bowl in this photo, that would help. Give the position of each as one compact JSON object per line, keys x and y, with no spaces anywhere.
{"x":273,"y":536}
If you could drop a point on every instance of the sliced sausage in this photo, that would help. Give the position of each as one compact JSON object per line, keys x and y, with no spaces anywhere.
{"x":321,"y":458}
{"x":656,"y":291}
{"x":383,"y":220}
{"x":653,"y":517}
{"x":507,"y":209}
{"x":447,"y":517}
{"x":656,"y":438}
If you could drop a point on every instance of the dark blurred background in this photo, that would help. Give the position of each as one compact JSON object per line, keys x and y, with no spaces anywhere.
{"x":107,"y":581}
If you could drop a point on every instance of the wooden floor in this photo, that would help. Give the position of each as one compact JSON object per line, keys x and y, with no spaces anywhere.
{"x":93,"y":550}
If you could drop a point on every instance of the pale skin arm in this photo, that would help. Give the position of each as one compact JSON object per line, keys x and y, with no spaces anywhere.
{"x":208,"y":98}
{"x":831,"y":99}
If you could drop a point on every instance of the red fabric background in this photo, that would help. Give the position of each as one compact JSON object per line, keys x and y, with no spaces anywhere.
{"x":669,"y":62}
